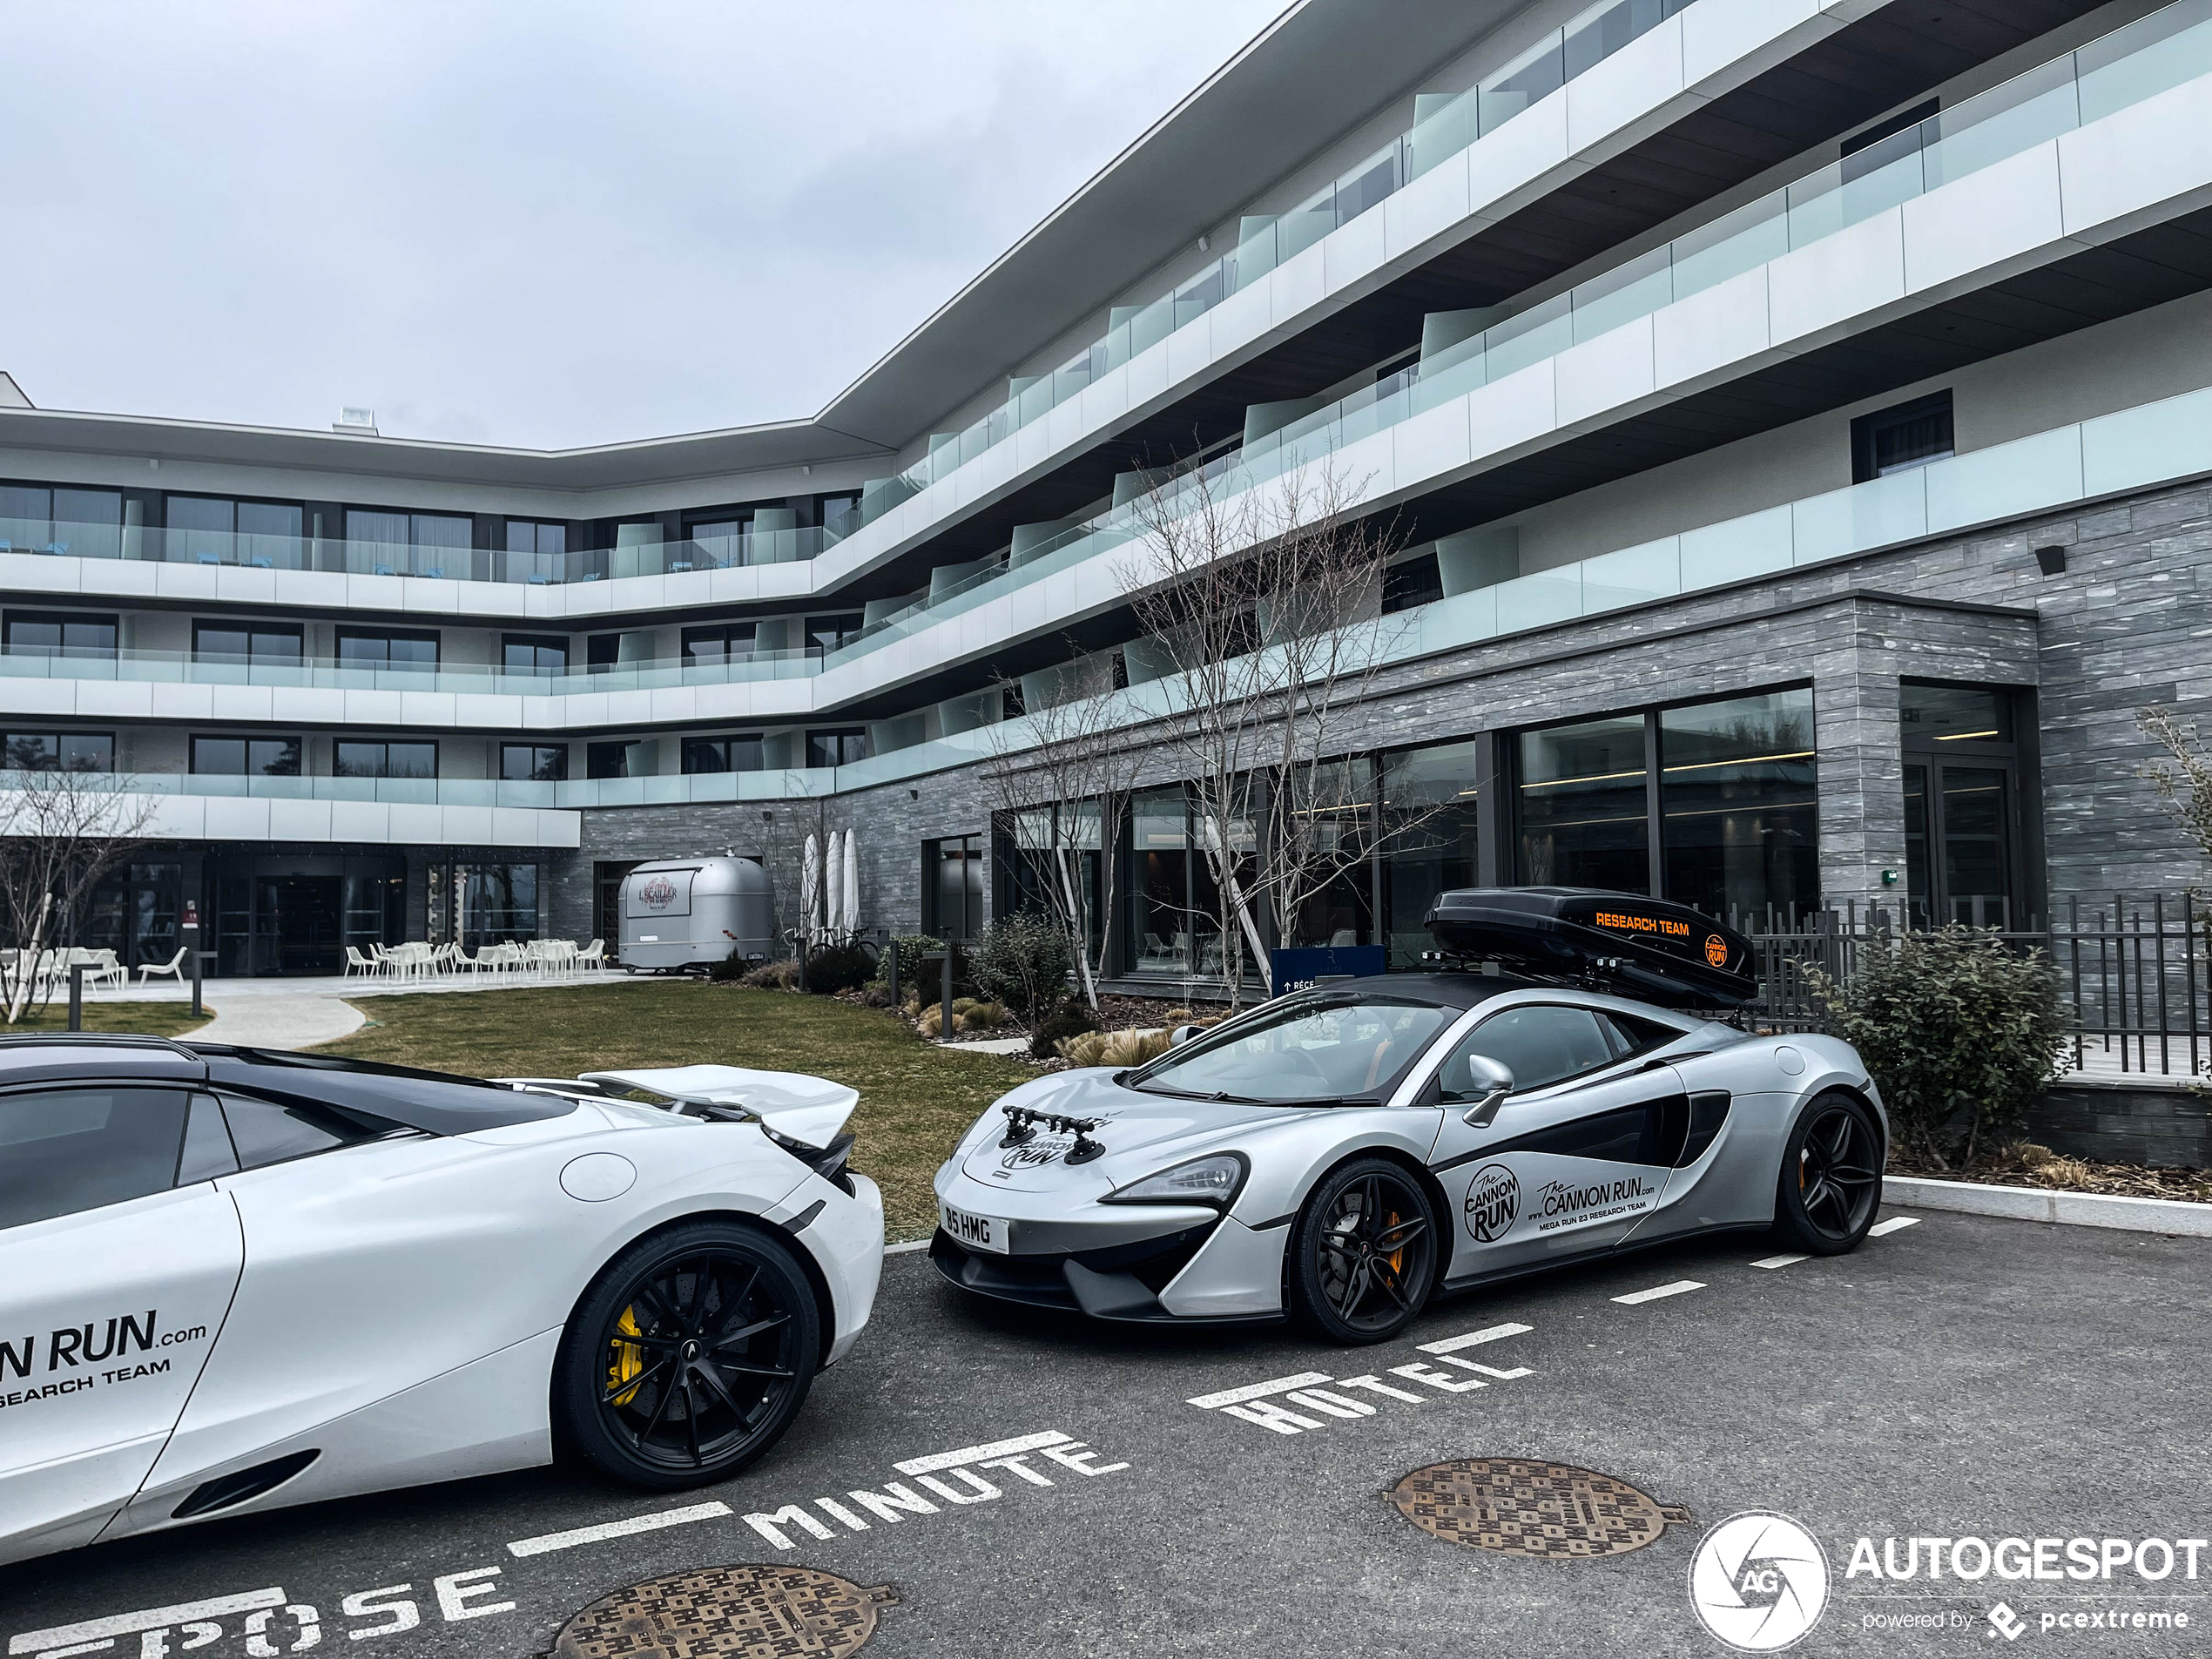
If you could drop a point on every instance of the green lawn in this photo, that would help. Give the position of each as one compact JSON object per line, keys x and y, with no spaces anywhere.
{"x":915,"y":1099}
{"x":145,"y":1019}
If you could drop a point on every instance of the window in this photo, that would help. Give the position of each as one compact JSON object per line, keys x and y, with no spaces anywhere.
{"x":212,"y":529}
{"x":405,"y":649}
{"x":607,"y":759}
{"x":1739,"y":809}
{"x":724,"y":643}
{"x":1725,"y":817}
{"x":1541,"y":1044}
{"x":1963,"y":803}
{"x":536,"y":551}
{"x":830,"y":509}
{"x":253,"y":644}
{"x":265,"y":1133}
{"x":62,"y":1150}
{"x":1584,"y":821}
{"x":1304,"y":1052}
{"x":56,"y":633}
{"x":543,"y":763}
{"x":602,"y":652}
{"x":1429,"y":799}
{"x":359,"y":759}
{"x":740,"y":753}
{"x":1412,"y":582}
{"x":540,"y":654}
{"x":245,"y":757}
{"x":839,"y":748}
{"x":86,"y":522}
{"x":828,"y":633}
{"x":481,"y":904}
{"x":1912,"y":435}
{"x":60,"y":751}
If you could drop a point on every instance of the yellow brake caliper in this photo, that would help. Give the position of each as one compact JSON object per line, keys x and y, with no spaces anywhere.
{"x":626,"y":1360}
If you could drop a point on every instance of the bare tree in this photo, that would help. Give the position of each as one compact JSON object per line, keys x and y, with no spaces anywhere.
{"x":2184,"y":778}
{"x":60,"y":831}
{"x":1262,"y":609}
{"x":1060,"y":780}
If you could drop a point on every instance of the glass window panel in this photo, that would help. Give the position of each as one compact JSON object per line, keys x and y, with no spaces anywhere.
{"x":606,"y":759}
{"x":1954,"y":714}
{"x":358,"y":759}
{"x":26,"y":516}
{"x":268,"y":518}
{"x":1540,"y":1045}
{"x":219,"y":757}
{"x":441,"y":531}
{"x":273,"y":757}
{"x":64,"y":1150}
{"x":545,"y":763}
{"x":205,"y":513}
{"x":1581,"y":806}
{"x":1976,"y":848}
{"x":87,"y":523}
{"x":1916,"y":843}
{"x":538,"y":654}
{"x":1738,"y":804}
{"x":1429,"y":838}
{"x":87,"y":751}
{"x":1301,"y":1052}
{"x":411,"y":760}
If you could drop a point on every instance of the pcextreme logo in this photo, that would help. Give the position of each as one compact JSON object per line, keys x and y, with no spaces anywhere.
{"x":1759,"y":1582}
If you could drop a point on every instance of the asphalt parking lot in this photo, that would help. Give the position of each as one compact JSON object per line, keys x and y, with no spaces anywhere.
{"x":1226,"y":1492}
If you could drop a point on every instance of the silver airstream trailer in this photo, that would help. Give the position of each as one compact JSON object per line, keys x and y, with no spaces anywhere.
{"x":682,"y":913}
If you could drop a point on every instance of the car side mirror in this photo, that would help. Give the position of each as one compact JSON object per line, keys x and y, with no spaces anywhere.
{"x":1489,"y":1082}
{"x":1182,"y":1035}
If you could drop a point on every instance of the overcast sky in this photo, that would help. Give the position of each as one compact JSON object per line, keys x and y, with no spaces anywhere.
{"x":539,"y":223}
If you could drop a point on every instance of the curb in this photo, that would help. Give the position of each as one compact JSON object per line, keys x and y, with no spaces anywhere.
{"x":2040,"y":1203}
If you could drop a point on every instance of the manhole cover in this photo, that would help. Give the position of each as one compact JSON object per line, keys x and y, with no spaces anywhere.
{"x":1550,"y":1510}
{"x":725,"y":1613}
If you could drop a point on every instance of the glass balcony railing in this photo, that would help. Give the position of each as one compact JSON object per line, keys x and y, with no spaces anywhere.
{"x":680,"y":790}
{"x":238,"y":549}
{"x":1443,"y":125}
{"x":180,"y":668}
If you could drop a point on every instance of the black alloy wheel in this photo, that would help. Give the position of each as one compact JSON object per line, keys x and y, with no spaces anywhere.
{"x":1362,"y":1253}
{"x":689,"y":1356}
{"x":1830,"y":1182}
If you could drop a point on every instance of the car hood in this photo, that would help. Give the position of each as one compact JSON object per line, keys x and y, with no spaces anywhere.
{"x":1141,"y":1132}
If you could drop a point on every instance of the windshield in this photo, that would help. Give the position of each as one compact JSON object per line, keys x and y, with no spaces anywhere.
{"x":1305,"y":1051}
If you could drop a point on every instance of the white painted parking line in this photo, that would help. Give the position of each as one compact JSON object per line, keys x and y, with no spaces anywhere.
{"x":546,"y":1543}
{"x":937,"y":1461}
{"x":1780,"y":1261}
{"x":1260,"y":1391}
{"x":1658,"y":1290}
{"x":100,"y":1633}
{"x":1893,"y":1225}
{"x":1492,"y":1333}
{"x":901,"y":1250}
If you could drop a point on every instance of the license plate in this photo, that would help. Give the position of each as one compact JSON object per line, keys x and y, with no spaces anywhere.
{"x":977,"y":1233}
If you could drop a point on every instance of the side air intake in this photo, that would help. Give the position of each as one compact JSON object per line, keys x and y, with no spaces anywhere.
{"x":226,"y":1490}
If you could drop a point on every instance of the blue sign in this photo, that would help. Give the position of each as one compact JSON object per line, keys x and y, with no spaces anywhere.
{"x":1295,"y":970}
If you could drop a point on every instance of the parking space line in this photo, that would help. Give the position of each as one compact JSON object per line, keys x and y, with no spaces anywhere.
{"x":1494,"y":1333}
{"x":939,"y":1460}
{"x":901,"y":1250}
{"x":548,"y":1542}
{"x":1657,"y":1291}
{"x":1895,"y":1223}
{"x":1259,"y":1391}
{"x":1780,"y":1261}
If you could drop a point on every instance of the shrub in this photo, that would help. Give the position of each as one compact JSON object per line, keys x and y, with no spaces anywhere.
{"x":912,"y":948}
{"x":1022,"y":960}
{"x":730,"y":971}
{"x":839,"y":967}
{"x":773,"y":976}
{"x":979,"y":1016}
{"x":1070,"y":1019}
{"x":1129,"y":1048}
{"x":875,"y":996}
{"x":1960,"y":1032}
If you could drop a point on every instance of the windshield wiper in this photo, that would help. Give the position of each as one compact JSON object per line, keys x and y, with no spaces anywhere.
{"x":1219,"y":1096}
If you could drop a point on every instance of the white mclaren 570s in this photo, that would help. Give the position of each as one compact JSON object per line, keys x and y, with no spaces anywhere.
{"x":235,"y":1278}
{"x":1548,"y":1093}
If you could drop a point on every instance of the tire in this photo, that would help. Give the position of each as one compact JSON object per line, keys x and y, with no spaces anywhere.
{"x":1830,"y":1186}
{"x":688,"y":1356}
{"x":1347,"y":1282}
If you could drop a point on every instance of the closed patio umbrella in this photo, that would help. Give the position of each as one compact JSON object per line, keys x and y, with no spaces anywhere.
{"x":850,"y":906}
{"x":810,"y":889}
{"x":833,"y":885}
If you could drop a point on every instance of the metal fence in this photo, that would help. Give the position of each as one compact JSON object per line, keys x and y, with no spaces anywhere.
{"x":2134,"y":973}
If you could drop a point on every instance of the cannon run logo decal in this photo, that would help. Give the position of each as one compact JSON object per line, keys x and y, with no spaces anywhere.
{"x":1493,"y":1202}
{"x":1758,"y":1582}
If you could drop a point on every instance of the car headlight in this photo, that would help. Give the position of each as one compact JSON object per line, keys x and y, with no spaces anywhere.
{"x":1213,"y":1180}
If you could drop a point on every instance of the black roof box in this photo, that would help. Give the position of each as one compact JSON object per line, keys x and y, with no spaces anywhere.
{"x":1667,"y":954}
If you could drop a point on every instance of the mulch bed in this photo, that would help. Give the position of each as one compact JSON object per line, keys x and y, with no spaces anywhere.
{"x":2030,"y":1165}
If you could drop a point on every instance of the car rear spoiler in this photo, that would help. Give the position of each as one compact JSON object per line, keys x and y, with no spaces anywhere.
{"x":1662,"y":952}
{"x":810,"y":1110}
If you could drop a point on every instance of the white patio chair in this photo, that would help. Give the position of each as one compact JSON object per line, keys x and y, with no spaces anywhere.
{"x":591,"y":957}
{"x":174,"y":967}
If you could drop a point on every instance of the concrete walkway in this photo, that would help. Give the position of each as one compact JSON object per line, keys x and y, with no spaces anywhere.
{"x":281,"y":1021}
